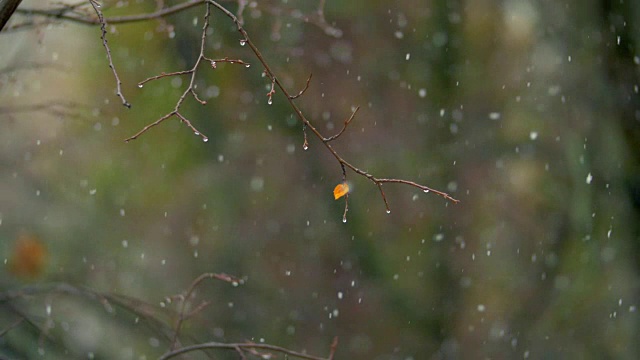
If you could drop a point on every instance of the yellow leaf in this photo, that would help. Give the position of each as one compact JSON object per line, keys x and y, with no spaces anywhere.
{"x":340,"y":190}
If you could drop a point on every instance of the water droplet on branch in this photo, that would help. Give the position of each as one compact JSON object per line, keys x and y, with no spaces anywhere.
{"x":243,"y":42}
{"x":140,"y":86}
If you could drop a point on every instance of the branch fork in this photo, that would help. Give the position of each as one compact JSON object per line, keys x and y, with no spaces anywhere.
{"x":245,"y":40}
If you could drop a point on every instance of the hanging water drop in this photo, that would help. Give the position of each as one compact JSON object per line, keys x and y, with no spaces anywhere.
{"x":243,"y":42}
{"x":270,"y":101}
{"x":305,"y":146}
{"x":140,"y":86}
{"x":205,"y":139}
{"x":196,"y":133}
{"x":344,"y":219}
{"x":247,"y":65}
{"x":426,"y":190}
{"x":388,"y":211}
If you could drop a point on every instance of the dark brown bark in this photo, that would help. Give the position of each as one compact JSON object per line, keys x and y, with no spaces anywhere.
{"x":7,"y":7}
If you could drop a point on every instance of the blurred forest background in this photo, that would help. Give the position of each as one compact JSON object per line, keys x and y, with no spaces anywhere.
{"x":526,"y":111}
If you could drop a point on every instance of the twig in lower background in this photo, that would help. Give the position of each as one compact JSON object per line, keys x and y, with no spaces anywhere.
{"x":10,"y":300}
{"x":11,"y":326}
{"x":239,"y":347}
{"x":183,"y":298}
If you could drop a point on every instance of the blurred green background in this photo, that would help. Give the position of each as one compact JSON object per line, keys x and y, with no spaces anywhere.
{"x":526,"y":111}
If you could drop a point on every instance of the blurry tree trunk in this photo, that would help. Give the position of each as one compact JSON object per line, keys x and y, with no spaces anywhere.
{"x":7,"y":7}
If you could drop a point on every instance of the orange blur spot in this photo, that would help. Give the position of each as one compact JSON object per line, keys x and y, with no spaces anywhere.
{"x":28,"y":258}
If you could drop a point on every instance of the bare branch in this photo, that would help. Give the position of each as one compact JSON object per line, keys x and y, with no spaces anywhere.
{"x":103,"y":27}
{"x":334,"y":347}
{"x":344,"y":127}
{"x":191,"y":87}
{"x":182,"y":314}
{"x":272,"y":91}
{"x":303,"y":90}
{"x":346,"y":196}
{"x":241,"y":353}
{"x":7,"y":8}
{"x":305,"y":143}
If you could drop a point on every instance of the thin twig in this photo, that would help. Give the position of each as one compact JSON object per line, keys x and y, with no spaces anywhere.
{"x":303,"y":90}
{"x":272,"y":91}
{"x":305,"y":143}
{"x":344,"y":127}
{"x":182,"y":314}
{"x":103,"y":27}
{"x":241,"y":353}
{"x":334,"y":347}
{"x":346,"y":196}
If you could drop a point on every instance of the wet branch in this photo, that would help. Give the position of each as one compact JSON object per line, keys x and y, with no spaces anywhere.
{"x":303,"y":90}
{"x":103,"y":27}
{"x":191,"y":88}
{"x":318,"y":19}
{"x":307,"y":124}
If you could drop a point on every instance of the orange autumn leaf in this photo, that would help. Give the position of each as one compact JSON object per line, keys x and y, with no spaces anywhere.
{"x":340,"y":190}
{"x":28,"y":258}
